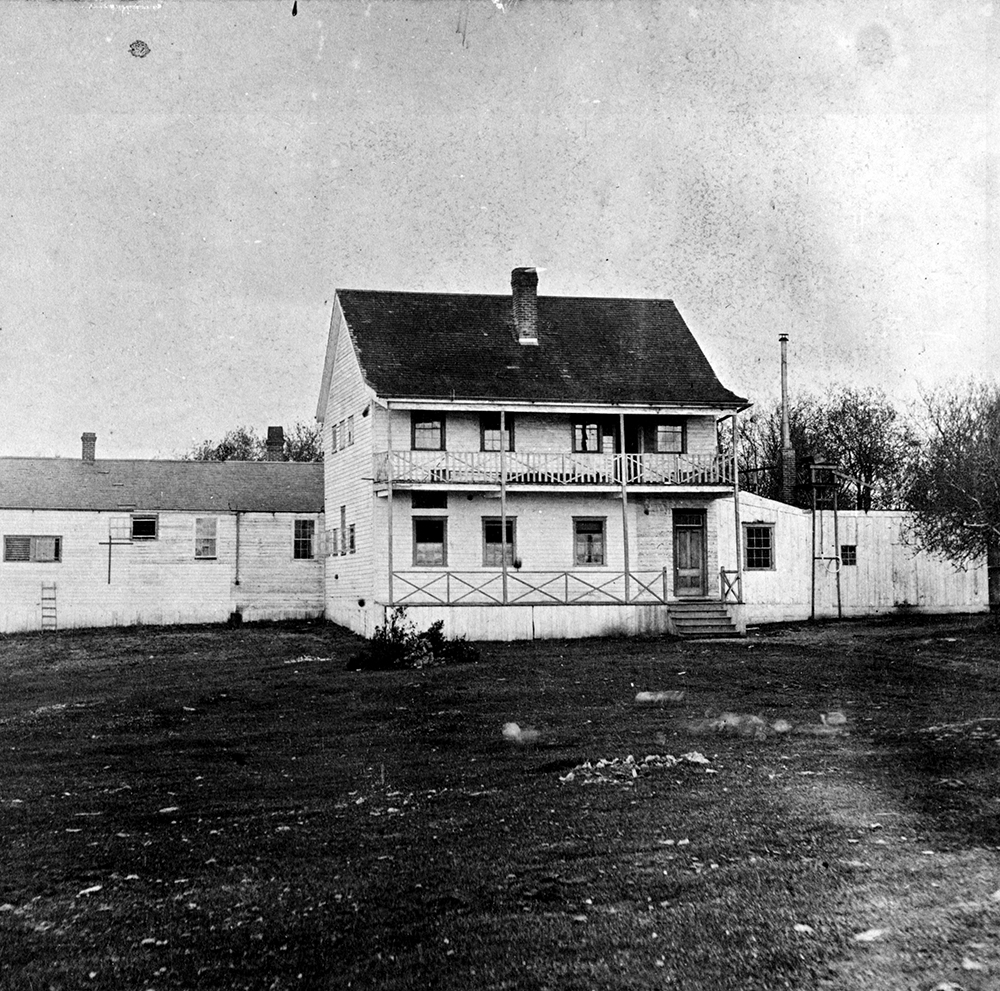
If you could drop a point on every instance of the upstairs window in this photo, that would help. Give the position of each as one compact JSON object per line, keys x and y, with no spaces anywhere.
{"x":489,"y":429}
{"x":428,"y":432}
{"x":144,"y":527}
{"x":350,"y":430}
{"x":758,"y":546}
{"x":670,"y":437}
{"x":430,"y":541}
{"x":494,"y":548}
{"x":29,"y":548}
{"x":588,"y":537}
{"x":333,"y":437}
{"x":304,"y":540}
{"x":205,"y":530}
{"x":595,"y":436}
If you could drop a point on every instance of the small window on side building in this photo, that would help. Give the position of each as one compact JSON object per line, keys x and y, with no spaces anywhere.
{"x":144,"y":527}
{"x":304,"y":540}
{"x":849,"y":555}
{"x":205,"y":537}
{"x":758,"y":546}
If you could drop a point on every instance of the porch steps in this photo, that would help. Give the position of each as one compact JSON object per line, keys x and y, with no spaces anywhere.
{"x":701,"y":618}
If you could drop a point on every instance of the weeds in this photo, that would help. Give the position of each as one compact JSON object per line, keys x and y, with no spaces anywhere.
{"x":398,"y":644}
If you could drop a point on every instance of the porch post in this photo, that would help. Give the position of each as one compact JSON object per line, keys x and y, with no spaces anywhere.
{"x":622,"y":472}
{"x":388,"y":477}
{"x":503,"y":505}
{"x":736,"y":504}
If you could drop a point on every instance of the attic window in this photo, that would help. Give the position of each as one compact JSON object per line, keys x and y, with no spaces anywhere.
{"x":144,"y":527}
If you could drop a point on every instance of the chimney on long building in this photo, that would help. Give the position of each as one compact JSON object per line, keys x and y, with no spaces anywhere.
{"x":89,"y":447}
{"x":275,"y":444}
{"x":524,"y":287}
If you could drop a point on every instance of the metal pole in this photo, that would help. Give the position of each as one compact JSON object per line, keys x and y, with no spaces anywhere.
{"x":812,"y":592}
{"x":503,"y":506}
{"x":237,"y":581}
{"x":622,"y":470}
{"x":836,"y":547}
{"x":388,"y":478}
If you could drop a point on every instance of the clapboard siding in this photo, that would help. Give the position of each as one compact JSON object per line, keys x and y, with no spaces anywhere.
{"x":892,"y":575}
{"x":349,"y":578}
{"x":158,"y":581}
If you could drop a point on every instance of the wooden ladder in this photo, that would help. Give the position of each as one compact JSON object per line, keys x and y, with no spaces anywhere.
{"x":49,"y":606}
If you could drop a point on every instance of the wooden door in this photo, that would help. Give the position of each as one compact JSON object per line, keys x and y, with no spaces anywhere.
{"x":690,"y":578}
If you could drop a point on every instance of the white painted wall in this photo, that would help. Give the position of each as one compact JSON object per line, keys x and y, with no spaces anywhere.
{"x":892,"y":575}
{"x":347,"y":482}
{"x":159,"y":581}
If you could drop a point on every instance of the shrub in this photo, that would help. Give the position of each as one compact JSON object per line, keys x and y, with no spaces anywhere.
{"x":398,"y":644}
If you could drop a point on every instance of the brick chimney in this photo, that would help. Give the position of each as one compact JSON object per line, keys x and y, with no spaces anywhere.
{"x":275,"y":444}
{"x":89,"y":447}
{"x":524,"y":287}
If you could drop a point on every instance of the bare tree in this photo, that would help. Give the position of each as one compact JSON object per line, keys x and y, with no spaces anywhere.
{"x":859,"y":430}
{"x":302,"y":443}
{"x":954,"y":489}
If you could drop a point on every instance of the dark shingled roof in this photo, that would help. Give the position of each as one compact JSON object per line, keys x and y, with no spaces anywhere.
{"x":590,"y":350}
{"x":193,"y":486}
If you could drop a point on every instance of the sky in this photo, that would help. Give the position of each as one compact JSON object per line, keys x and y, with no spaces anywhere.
{"x":175,"y":224}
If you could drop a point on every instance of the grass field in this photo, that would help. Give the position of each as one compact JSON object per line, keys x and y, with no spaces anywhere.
{"x":204,"y":807}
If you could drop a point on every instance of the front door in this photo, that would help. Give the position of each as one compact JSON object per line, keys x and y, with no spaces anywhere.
{"x":689,"y":552}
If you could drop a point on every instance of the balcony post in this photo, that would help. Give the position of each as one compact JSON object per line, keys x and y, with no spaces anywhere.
{"x":388,"y":506}
{"x":503,"y":505}
{"x":622,"y":473}
{"x":736,"y":506}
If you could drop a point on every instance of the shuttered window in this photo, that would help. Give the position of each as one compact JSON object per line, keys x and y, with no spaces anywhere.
{"x":31,"y":548}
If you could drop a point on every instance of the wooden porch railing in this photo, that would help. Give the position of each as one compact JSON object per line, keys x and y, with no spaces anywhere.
{"x":483,"y":467}
{"x":485,"y":588}
{"x":732,"y":585}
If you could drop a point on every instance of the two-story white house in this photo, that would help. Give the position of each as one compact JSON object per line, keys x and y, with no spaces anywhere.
{"x":522,"y":466}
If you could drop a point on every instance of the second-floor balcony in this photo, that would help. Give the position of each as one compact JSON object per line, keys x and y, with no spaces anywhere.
{"x":547,"y":469}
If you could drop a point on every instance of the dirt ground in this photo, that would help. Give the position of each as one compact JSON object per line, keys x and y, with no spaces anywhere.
{"x":198,"y":807}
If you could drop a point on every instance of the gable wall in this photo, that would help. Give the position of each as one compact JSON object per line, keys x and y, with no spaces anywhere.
{"x":347,"y":482}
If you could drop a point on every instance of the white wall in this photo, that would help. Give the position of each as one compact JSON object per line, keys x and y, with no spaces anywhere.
{"x":347,"y":482}
{"x":892,"y":575}
{"x":159,"y":581}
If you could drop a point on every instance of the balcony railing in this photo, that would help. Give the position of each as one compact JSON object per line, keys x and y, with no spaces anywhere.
{"x":485,"y":588}
{"x":483,"y":467}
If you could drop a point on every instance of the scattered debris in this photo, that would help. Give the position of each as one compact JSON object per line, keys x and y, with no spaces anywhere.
{"x":969,"y":964}
{"x":669,"y":696}
{"x":835,"y":718}
{"x":89,"y":891}
{"x":624,"y":770}
{"x":308,"y":659}
{"x":519,"y":734}
{"x":869,"y":935}
{"x":801,"y":927}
